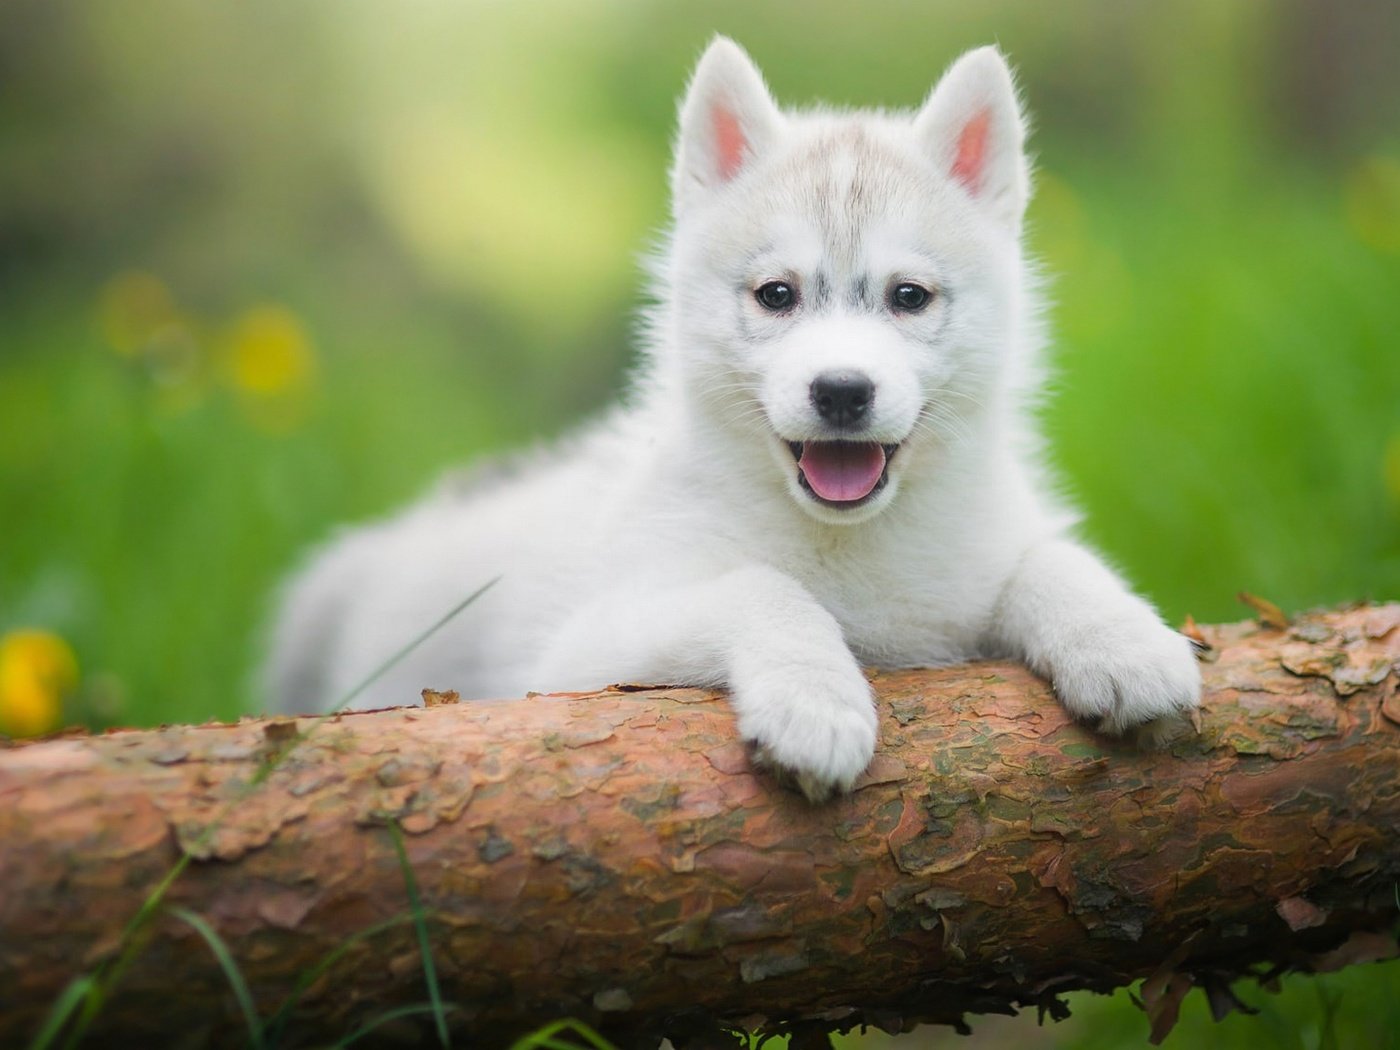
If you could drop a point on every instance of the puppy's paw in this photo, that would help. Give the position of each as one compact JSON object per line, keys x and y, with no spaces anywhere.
{"x":1135,"y":674}
{"x":816,"y":729}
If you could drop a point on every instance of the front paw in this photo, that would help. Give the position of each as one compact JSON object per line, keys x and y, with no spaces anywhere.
{"x":1129,"y":673}
{"x":818,"y":728}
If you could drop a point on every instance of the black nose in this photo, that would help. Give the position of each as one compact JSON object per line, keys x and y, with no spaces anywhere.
{"x":842,"y":398}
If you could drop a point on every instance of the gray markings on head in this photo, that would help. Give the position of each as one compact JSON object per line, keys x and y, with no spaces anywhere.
{"x":847,"y":177}
{"x":858,"y":294}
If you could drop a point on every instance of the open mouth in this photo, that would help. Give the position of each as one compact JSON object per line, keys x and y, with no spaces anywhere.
{"x":842,"y":473}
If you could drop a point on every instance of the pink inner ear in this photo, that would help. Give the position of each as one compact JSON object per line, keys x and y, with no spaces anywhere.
{"x":972,"y":151}
{"x":729,"y":141}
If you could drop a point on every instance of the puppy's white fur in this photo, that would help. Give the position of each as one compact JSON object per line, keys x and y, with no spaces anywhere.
{"x":675,"y":542}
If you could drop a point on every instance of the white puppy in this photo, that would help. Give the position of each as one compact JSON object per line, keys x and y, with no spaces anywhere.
{"x":827,"y":461}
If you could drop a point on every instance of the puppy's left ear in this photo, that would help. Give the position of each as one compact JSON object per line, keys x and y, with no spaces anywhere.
{"x":727,"y":121}
{"x":973,"y":129}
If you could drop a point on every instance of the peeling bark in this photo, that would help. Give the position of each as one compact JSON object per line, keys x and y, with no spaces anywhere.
{"x":614,"y":857}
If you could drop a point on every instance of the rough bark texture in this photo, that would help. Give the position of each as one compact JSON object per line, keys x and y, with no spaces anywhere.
{"x":614,"y":857}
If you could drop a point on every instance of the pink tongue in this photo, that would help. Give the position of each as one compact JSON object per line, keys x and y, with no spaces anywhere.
{"x":842,"y":471}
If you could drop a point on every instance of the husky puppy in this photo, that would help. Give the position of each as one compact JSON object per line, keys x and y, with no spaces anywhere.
{"x":827,"y":460}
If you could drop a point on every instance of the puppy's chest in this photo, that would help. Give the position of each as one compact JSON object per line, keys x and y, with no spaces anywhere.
{"x":904,"y":609}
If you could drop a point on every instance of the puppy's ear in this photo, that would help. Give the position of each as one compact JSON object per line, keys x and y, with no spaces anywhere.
{"x":726,"y":121}
{"x":973,"y":129}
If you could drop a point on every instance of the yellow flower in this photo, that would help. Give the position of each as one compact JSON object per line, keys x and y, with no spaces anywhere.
{"x":269,"y":352}
{"x":37,"y":669}
{"x":271,"y":365}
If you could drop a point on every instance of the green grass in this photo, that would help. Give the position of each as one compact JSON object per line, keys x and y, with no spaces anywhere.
{"x":64,"y":1007}
{"x":232,"y":972}
{"x":420,"y":924}
{"x":151,"y":537}
{"x":1226,"y":427}
{"x":556,"y":1036}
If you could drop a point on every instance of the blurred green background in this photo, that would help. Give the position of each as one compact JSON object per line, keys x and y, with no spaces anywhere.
{"x":268,"y":267}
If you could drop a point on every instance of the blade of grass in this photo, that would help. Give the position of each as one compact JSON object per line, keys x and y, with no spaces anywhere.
{"x":231,"y":971}
{"x":272,"y":1030}
{"x":389,"y":664}
{"x":420,"y":922}
{"x":392,"y":1015}
{"x":1330,"y":1002}
{"x":61,"y":1010}
{"x":107,"y":975}
{"x":545,"y":1037}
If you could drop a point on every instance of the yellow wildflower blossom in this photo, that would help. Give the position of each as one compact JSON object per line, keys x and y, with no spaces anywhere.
{"x":269,"y":352}
{"x":271,"y":366}
{"x":37,"y":669}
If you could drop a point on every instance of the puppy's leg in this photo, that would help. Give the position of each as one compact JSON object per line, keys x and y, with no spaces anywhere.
{"x":1112,"y":661}
{"x":797,"y":690}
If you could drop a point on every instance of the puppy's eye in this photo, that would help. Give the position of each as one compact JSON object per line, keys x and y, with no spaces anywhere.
{"x":909,"y":298}
{"x":775,"y":296}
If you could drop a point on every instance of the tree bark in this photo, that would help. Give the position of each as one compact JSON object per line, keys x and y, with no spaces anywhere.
{"x":614,"y":857}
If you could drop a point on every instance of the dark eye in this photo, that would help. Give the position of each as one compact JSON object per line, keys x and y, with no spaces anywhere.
{"x":910,"y":298}
{"x":775,"y":295}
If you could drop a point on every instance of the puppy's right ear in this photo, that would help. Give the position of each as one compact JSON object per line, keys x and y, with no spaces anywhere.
{"x":726,"y":121}
{"x":972,"y":128}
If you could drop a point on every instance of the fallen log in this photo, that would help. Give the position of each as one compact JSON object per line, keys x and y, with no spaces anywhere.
{"x":614,"y":857}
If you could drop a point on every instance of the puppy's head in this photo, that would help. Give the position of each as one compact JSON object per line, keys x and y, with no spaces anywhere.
{"x":843,"y":285}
